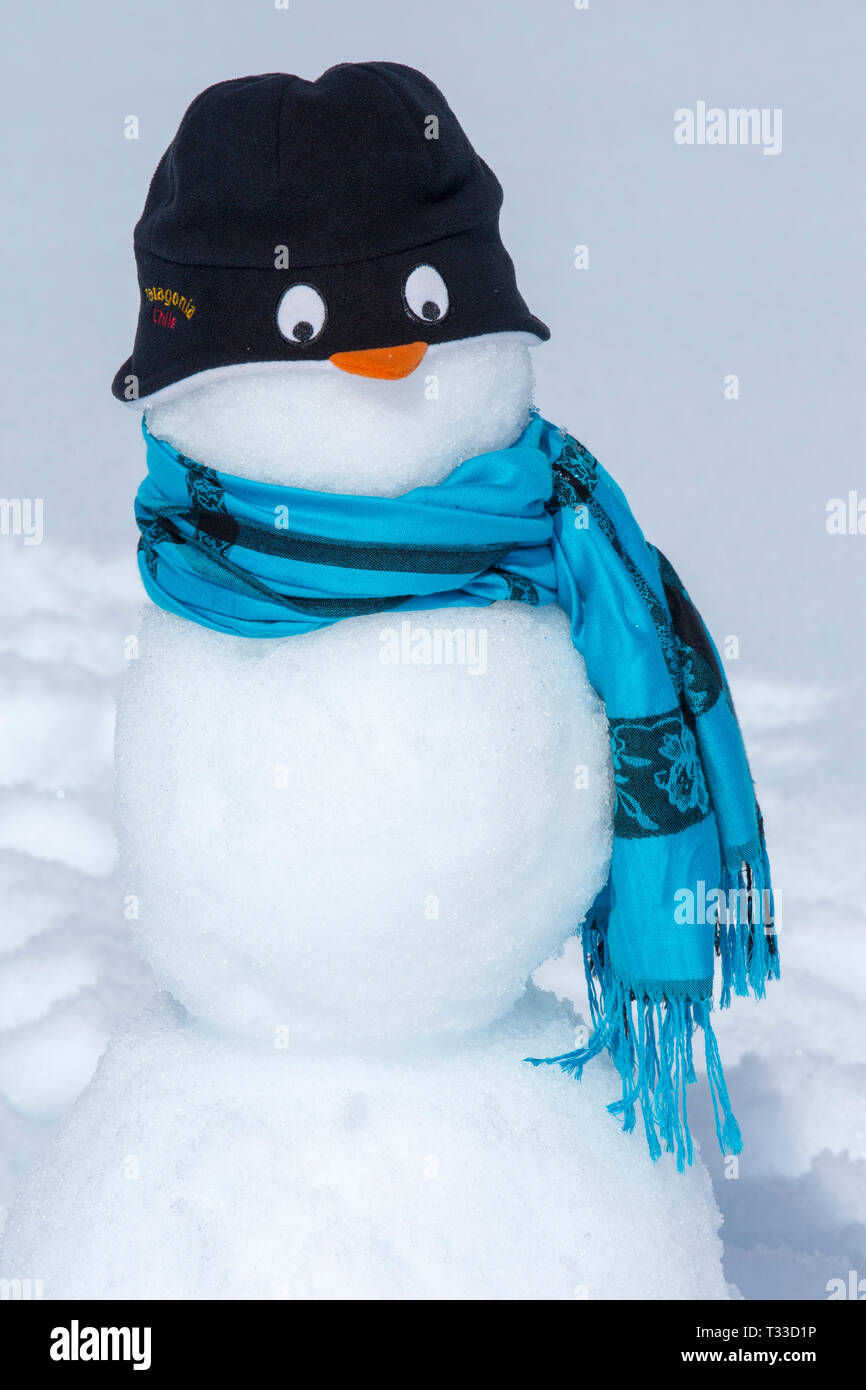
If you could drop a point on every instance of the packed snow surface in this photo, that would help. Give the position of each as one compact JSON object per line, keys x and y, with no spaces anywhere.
{"x":196,"y":1167}
{"x":352,"y":848}
{"x":315,"y":426}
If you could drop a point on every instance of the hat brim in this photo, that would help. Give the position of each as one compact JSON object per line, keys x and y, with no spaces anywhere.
{"x":194,"y":319}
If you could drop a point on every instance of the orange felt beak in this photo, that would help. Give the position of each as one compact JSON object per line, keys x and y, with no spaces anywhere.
{"x":387,"y":363}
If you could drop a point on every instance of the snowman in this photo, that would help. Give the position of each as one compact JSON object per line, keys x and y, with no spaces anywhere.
{"x":365,"y":779}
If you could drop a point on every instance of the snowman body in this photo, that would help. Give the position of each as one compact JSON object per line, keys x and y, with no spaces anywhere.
{"x":378,"y":830}
{"x":345,"y":853}
{"x":346,"y":858}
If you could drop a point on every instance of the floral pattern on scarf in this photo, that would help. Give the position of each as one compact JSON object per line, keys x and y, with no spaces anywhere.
{"x":660,"y":784}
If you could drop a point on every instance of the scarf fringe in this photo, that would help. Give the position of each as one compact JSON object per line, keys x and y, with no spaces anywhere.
{"x":746,"y":941}
{"x":650,"y":1042}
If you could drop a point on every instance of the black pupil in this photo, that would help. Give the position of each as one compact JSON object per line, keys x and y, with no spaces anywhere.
{"x":303,"y":331}
{"x":430,"y":310}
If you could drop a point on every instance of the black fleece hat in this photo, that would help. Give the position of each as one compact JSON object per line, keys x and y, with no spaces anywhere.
{"x":285,"y":220}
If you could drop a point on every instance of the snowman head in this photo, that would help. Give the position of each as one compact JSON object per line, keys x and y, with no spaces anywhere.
{"x":325,"y":297}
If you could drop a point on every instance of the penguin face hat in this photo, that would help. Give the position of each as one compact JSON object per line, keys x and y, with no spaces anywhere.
{"x":345,"y":222}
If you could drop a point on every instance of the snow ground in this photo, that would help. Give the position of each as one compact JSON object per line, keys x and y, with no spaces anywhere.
{"x":795,"y":1210}
{"x":67,"y":970}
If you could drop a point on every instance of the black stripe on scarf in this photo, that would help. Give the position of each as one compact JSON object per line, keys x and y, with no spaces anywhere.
{"x":360,"y":555}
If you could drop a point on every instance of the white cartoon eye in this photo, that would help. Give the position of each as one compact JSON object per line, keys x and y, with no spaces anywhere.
{"x":425,"y":294}
{"x":301,"y":315}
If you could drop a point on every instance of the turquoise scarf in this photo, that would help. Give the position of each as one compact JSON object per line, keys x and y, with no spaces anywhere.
{"x":540,"y":522}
